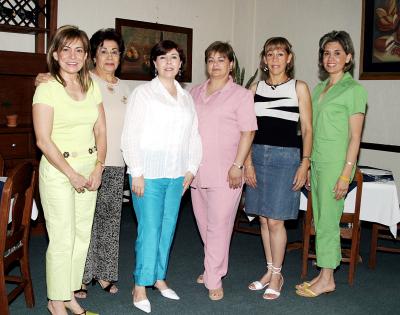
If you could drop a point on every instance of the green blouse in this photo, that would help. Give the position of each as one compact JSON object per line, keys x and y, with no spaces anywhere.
{"x":331,"y":115}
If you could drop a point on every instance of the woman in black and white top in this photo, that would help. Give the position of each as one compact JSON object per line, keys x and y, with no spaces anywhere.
{"x":274,"y":172}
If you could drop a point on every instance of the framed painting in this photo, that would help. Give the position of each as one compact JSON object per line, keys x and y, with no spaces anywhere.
{"x":140,"y":37}
{"x":380,"y":41}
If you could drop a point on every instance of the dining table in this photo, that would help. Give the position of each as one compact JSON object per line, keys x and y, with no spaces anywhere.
{"x":379,"y":199}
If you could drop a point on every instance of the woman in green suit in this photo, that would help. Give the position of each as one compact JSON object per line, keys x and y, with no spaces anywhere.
{"x":339,"y":105}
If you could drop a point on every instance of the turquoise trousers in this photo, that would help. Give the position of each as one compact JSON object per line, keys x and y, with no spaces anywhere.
{"x":69,"y":218}
{"x":156,"y":212}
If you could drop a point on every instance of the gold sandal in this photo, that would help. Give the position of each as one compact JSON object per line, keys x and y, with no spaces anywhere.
{"x":216,"y":294}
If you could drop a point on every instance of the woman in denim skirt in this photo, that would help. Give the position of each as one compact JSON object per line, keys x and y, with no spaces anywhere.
{"x":274,"y":172}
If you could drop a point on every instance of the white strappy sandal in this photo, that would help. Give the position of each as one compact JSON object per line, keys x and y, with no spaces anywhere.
{"x":275,"y":271}
{"x":257,"y":285}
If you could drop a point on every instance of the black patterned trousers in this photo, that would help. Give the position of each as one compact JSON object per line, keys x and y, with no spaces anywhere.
{"x":102,"y":257}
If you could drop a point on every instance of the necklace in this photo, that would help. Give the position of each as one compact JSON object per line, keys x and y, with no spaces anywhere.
{"x":110,"y":87}
{"x":274,"y":86}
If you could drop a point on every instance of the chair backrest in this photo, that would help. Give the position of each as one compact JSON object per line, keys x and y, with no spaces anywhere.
{"x":17,"y":197}
{"x":1,"y":165}
{"x":353,"y":218}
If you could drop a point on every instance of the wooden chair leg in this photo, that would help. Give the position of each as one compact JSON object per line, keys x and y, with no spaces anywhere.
{"x":28,"y":289}
{"x":374,"y":244}
{"x":354,"y":255}
{"x":3,"y":294}
{"x":306,"y":248}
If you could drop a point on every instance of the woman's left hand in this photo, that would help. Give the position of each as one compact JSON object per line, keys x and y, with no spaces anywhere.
{"x":187,"y":181}
{"x":95,"y":178}
{"x":235,"y":177}
{"x":300,"y":178}
{"x":250,"y":177}
{"x":341,"y":189}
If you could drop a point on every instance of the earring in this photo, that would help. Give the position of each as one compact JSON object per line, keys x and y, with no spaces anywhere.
{"x":180,"y":73}
{"x":156,"y":72}
{"x":265,"y":69}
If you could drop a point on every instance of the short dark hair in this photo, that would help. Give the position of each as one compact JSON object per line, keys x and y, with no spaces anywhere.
{"x":101,"y":35}
{"x":344,"y":39}
{"x":278,"y":42}
{"x":223,"y":48}
{"x":162,"y":48}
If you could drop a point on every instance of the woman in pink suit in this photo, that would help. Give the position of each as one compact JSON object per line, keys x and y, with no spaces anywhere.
{"x":227,"y":123}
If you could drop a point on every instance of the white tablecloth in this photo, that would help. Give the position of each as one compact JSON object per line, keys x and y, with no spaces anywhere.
{"x":34,"y":213}
{"x":379,"y":203}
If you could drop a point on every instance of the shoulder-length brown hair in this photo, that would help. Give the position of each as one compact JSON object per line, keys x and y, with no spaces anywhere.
{"x":278,"y":42}
{"x":64,"y":35}
{"x":344,"y":39}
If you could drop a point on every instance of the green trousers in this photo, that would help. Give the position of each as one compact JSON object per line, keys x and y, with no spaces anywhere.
{"x":327,"y":212}
{"x":69,"y":218}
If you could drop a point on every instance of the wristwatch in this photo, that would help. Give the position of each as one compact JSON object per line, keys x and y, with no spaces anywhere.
{"x":238,"y":166}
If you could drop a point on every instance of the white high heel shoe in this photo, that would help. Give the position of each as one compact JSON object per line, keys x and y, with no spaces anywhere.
{"x":169,"y":294}
{"x":257,"y":285}
{"x":143,"y":305}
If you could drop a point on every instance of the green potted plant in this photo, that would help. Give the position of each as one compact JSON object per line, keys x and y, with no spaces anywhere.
{"x":238,"y":74}
{"x":10,"y":117}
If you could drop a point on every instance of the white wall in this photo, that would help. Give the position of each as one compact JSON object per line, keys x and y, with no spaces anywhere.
{"x":210,"y":20}
{"x":303,"y":22}
{"x":247,"y":24}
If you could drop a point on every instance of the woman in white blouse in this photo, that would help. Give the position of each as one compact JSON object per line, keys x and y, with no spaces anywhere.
{"x":162,"y":148}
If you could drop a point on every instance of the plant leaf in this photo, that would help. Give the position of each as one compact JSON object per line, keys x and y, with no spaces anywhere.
{"x":253,"y":77}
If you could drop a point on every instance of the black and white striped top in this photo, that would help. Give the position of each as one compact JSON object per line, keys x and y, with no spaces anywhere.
{"x":277,"y":110}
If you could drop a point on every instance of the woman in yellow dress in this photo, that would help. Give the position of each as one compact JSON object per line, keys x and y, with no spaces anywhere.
{"x":70,"y":129}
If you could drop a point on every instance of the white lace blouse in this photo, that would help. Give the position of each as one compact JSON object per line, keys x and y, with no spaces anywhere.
{"x":160,"y":137}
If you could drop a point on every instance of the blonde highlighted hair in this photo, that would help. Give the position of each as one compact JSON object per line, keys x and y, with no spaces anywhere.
{"x":64,"y":35}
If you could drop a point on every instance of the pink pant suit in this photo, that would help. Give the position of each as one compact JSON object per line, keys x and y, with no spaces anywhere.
{"x":222,"y":117}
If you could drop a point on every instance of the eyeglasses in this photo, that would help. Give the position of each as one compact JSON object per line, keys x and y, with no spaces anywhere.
{"x":105,"y":53}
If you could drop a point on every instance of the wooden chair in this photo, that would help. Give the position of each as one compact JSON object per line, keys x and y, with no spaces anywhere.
{"x":381,"y":232}
{"x":242,"y":223}
{"x":350,"y":232}
{"x":17,"y":197}
{"x":1,"y":165}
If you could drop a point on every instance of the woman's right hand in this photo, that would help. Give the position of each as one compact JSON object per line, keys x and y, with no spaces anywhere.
{"x":42,"y":78}
{"x":78,"y":182}
{"x":308,"y":181}
{"x":138,"y":186}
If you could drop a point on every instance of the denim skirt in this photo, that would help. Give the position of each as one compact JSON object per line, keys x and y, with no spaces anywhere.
{"x":275,"y":169}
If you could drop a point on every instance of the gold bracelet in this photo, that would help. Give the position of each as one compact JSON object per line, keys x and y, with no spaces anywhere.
{"x":101,"y":164}
{"x":345,"y":178}
{"x":249,"y":166}
{"x":306,"y":157}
